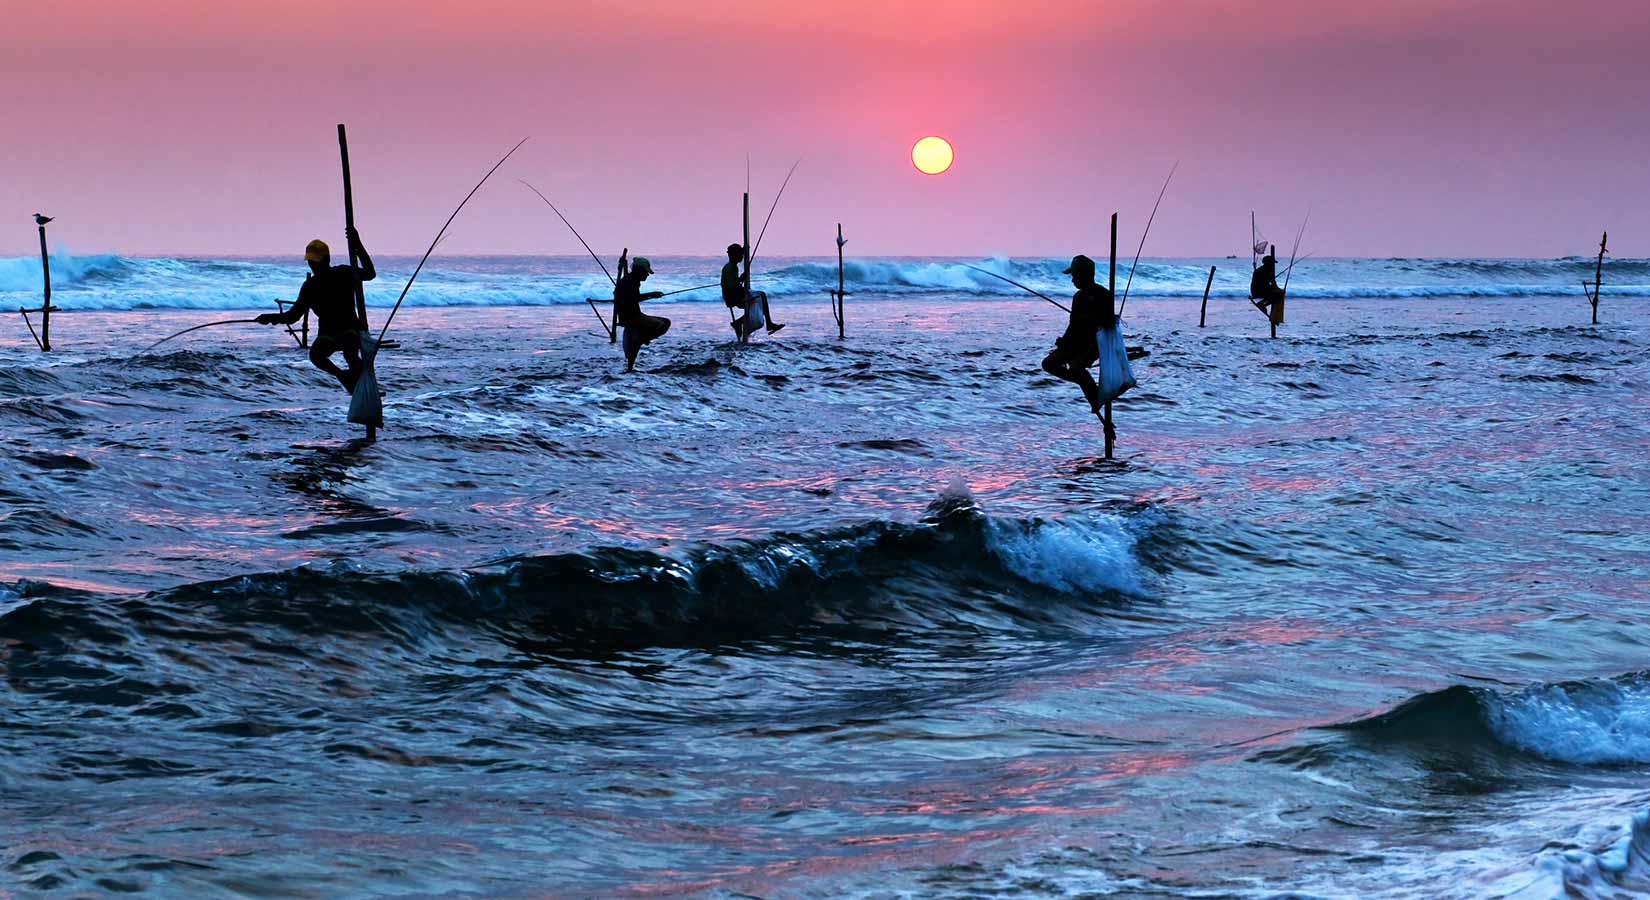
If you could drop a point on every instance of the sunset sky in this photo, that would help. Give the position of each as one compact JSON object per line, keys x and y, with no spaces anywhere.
{"x":1467,"y":127}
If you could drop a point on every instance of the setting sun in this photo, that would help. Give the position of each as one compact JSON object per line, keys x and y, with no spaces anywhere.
{"x":932,"y":155}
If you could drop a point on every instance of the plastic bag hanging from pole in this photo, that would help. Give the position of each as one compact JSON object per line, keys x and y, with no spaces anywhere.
{"x":366,"y":407}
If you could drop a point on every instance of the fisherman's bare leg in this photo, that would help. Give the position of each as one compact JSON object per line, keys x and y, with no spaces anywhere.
{"x":320,"y":354}
{"x":1065,"y":367}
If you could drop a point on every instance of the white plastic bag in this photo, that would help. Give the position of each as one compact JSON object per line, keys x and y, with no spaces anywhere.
{"x":1116,"y":375}
{"x":365,"y":406}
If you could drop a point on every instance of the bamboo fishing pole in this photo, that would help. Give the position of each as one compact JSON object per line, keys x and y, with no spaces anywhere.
{"x":414,"y":277}
{"x":612,"y":332}
{"x":186,"y":331}
{"x":1034,"y":293}
{"x":1152,"y":218}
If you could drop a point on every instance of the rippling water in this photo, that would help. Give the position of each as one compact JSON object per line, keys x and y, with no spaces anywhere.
{"x":1357,"y":611}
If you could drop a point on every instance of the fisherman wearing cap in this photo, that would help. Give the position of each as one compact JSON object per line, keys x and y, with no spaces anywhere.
{"x":1078,"y":348}
{"x":330,"y":292}
{"x":639,"y":327}
{"x":738,"y":295}
{"x":1264,"y":290}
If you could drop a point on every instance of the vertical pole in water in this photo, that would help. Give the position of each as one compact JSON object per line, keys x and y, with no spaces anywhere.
{"x":1111,"y":286}
{"x":1204,"y":312}
{"x":46,"y":306}
{"x":1598,"y":274}
{"x":349,"y":226}
{"x":841,"y":304}
{"x":623,"y":269}
{"x":743,"y":332}
{"x":1272,"y":314}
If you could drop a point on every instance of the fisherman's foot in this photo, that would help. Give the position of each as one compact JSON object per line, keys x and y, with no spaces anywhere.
{"x":774,"y":328}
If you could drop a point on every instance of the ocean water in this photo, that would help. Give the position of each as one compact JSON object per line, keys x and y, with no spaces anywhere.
{"x":1355,"y":612}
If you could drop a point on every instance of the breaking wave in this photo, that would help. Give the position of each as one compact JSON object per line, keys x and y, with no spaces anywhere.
{"x":955,"y":564}
{"x":1596,"y":722}
{"x":111,"y":282}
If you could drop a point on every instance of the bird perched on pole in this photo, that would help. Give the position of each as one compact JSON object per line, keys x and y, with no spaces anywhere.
{"x":41,"y":220}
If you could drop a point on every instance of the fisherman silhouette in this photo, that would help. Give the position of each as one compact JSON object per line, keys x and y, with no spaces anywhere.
{"x":329,"y":292}
{"x":41,"y":220}
{"x":738,"y":295}
{"x":1264,"y":290}
{"x":1077,"y":348}
{"x":639,"y":327}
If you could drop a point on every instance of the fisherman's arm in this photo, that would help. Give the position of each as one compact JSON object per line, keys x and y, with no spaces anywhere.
{"x":364,"y":262}
{"x":293,"y":313}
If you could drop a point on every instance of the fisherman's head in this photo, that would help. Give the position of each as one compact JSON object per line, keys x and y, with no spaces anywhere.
{"x":318,"y":256}
{"x":736,"y":252}
{"x":1081,"y":270}
{"x":641,"y":268}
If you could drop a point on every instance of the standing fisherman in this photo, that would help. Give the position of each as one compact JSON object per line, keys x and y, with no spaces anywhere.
{"x":1077,"y":349}
{"x":736,"y":293}
{"x":330,"y":293}
{"x":639,"y":327}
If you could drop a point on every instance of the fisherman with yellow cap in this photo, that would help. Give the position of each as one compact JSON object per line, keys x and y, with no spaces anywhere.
{"x":639,"y":327}
{"x":330,"y":292}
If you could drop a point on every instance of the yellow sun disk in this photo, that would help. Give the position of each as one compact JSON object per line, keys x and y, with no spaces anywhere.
{"x":932,"y":155}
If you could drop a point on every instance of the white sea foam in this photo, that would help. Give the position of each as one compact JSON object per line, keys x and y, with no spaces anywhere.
{"x":1071,"y":555}
{"x":1585,"y":723}
{"x":110,"y":282}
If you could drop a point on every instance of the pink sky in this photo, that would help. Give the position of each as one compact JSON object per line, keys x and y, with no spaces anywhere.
{"x":1452,"y":127}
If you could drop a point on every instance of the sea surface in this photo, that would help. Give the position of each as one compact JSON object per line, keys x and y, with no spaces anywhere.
{"x":1358,"y":611}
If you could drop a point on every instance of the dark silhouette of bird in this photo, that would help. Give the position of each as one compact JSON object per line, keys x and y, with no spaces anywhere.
{"x":41,"y":220}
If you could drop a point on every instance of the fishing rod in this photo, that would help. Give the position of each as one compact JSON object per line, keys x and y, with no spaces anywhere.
{"x":1289,"y":272}
{"x":775,"y":205}
{"x":367,"y":363}
{"x":1018,"y":285}
{"x":685,"y":290}
{"x":186,"y":331}
{"x":572,"y":229}
{"x":1143,"y":234}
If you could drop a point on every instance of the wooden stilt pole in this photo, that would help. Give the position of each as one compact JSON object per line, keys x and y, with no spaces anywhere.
{"x":623,"y":268}
{"x":744,"y":330}
{"x":838,"y":306}
{"x":1111,"y":286}
{"x":46,"y":305}
{"x":349,"y":226}
{"x":1598,"y":276}
{"x":1203,"y":313}
{"x":1272,"y":314}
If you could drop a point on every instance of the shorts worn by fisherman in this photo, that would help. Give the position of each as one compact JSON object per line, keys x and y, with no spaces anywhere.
{"x":639,"y":327}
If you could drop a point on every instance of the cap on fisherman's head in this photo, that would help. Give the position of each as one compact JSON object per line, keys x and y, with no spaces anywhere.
{"x":640,"y":264}
{"x":317,"y":251}
{"x":1080,"y":264}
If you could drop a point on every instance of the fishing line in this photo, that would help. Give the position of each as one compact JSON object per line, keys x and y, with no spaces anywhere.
{"x":1017,"y":284}
{"x":186,"y":331}
{"x":572,"y":229}
{"x":438,"y":235}
{"x":1143,"y":234}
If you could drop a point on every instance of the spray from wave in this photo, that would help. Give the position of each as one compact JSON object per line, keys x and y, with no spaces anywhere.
{"x":110,"y":282}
